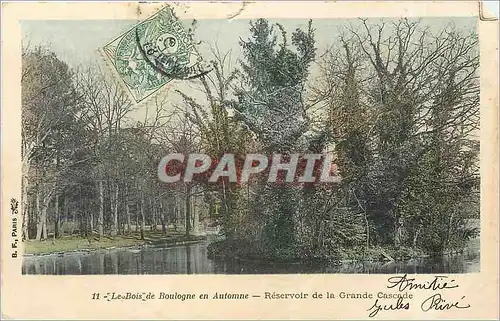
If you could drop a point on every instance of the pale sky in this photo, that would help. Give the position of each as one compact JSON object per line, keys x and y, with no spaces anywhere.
{"x":76,"y":41}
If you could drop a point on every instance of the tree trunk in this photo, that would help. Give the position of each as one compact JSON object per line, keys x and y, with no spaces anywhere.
{"x":31,"y":219}
{"x":38,"y":214}
{"x":398,"y":232}
{"x":56,"y":217}
{"x":114,"y":226}
{"x":162,"y":216}
{"x":155,"y":214}
{"x":415,"y":237}
{"x":100,"y":221}
{"x":446,"y":244}
{"x":91,"y":224}
{"x":25,"y":232}
{"x":177,"y":212}
{"x":129,"y":225}
{"x":127,"y":208}
{"x":41,"y":229}
{"x":367,"y":226}
{"x":137,"y":209}
{"x":25,"y":206}
{"x":196,"y":218}
{"x":74,"y":211}
{"x":142,"y":216}
{"x":188,"y":210}
{"x":56,"y":206}
{"x":82,"y":229}
{"x":152,"y":215}
{"x":44,"y":222}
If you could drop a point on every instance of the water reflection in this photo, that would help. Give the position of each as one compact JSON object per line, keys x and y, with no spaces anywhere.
{"x":192,"y":259}
{"x":152,"y":260}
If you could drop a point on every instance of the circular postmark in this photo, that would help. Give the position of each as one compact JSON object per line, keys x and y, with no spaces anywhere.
{"x":153,"y":53}
{"x":167,"y":48}
{"x":131,"y":65}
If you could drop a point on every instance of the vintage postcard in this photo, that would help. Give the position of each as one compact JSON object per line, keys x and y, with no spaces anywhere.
{"x":249,"y":160}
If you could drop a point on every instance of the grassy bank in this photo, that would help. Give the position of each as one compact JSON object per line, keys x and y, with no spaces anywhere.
{"x":74,"y":243}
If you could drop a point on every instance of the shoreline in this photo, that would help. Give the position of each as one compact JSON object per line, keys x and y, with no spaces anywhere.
{"x":130,"y":243}
{"x":194,"y":239}
{"x":380,"y":254}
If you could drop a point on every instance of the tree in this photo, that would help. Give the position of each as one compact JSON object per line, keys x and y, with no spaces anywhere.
{"x":105,"y":108}
{"x":49,"y":105}
{"x":220,"y":132}
{"x":269,"y":102}
{"x":404,"y":103}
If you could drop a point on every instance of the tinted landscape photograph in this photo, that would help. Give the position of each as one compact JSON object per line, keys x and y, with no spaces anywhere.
{"x":394,"y":101}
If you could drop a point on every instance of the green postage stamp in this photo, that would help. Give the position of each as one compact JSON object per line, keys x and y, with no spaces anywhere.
{"x":152,"y":53}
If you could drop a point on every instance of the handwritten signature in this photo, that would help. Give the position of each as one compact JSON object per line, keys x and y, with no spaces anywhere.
{"x":377,"y":307}
{"x":435,"y":302}
{"x":403,"y":283}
